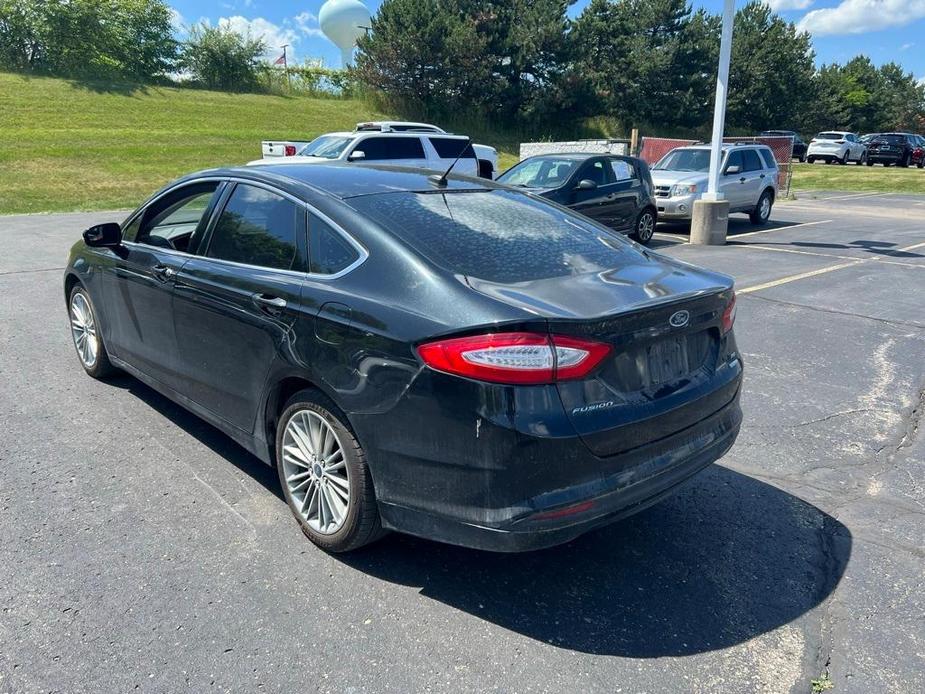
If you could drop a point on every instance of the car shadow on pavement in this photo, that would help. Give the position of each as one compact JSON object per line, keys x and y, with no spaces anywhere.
{"x":204,"y":432}
{"x":725,"y":560}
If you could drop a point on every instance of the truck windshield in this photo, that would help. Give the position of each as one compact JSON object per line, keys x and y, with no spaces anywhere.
{"x":685,"y":160}
{"x":326,"y":146}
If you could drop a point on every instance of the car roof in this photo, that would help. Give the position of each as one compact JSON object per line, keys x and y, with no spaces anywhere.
{"x":345,"y":180}
{"x":574,"y":156}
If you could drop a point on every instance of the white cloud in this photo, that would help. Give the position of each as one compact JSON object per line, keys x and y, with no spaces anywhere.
{"x":177,"y":21}
{"x":260,"y":28}
{"x":308,"y":24}
{"x":781,"y":5}
{"x":907,"y":46}
{"x":861,"y":16}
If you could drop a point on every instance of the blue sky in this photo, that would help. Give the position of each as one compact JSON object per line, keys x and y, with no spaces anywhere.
{"x":885,"y":30}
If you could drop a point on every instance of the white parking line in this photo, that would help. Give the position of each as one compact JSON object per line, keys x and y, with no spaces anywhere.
{"x":824,"y":270}
{"x":845,"y":197}
{"x":765,"y":231}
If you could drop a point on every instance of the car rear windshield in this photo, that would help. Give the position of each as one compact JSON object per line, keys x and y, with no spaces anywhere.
{"x":498,"y":236}
{"x":830,"y":136}
{"x":891,"y":139}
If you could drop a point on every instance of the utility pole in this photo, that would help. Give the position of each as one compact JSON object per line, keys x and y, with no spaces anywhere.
{"x":286,"y":67}
{"x":710,"y":220}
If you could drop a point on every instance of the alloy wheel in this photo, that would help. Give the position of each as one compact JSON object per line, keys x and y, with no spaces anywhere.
{"x":765,"y":208}
{"x":645,"y":227}
{"x":83,"y":330}
{"x":316,"y":472}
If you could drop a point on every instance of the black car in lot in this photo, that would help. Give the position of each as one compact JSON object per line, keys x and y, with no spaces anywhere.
{"x":454,"y":359}
{"x":799,"y":145}
{"x":614,"y":190}
{"x":901,"y":149}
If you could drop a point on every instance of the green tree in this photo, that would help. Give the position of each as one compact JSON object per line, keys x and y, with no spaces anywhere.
{"x":771,"y":71}
{"x":88,"y":38}
{"x":219,"y":58}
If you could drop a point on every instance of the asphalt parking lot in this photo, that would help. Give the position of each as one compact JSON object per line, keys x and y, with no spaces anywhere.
{"x":141,"y":549}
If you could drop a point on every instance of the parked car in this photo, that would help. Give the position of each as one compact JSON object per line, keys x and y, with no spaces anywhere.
{"x":486,"y":156}
{"x":838,"y":146}
{"x":799,"y":146}
{"x":430,"y":151}
{"x":614,"y":190}
{"x":748,"y":180}
{"x":455,"y":359}
{"x":901,"y":149}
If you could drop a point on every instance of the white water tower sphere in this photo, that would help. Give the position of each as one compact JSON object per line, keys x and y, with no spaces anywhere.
{"x":344,"y":21}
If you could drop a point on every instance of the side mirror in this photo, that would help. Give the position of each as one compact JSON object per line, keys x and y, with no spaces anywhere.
{"x":734,"y":169}
{"x":356,"y":154}
{"x":108,"y":235}
{"x":586,"y":184}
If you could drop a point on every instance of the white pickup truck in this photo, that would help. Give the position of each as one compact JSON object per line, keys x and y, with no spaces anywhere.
{"x":436,"y":149}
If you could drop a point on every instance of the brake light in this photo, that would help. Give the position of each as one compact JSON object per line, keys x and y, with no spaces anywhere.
{"x":515,"y":358}
{"x":289,"y":150}
{"x":729,"y":315}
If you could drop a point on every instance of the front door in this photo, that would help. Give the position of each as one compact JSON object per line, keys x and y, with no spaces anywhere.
{"x":732,"y":183}
{"x":236,"y":300}
{"x":139,"y":289}
{"x":599,"y":202}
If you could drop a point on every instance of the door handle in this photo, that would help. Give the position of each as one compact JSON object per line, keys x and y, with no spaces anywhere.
{"x":271,"y":304}
{"x":164,"y":273}
{"x":762,"y":175}
{"x":742,"y":180}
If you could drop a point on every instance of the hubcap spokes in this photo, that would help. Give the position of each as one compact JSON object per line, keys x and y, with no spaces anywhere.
{"x":316,"y":472}
{"x":83,"y":329}
{"x":766,"y":207}
{"x":646,"y":227}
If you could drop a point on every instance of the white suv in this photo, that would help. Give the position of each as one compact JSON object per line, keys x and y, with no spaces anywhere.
{"x":748,"y":180}
{"x":421,"y":150}
{"x":836,"y":145}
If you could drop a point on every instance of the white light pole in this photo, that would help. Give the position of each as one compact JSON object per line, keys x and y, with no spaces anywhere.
{"x":710,"y":218}
{"x":719,"y":110}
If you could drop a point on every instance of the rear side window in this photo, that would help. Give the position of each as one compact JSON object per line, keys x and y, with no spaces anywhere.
{"x":328,"y":251}
{"x":768,"y":158}
{"x":752,"y":161}
{"x":386,"y":148}
{"x":257,"y":227}
{"x":498,"y":236}
{"x":449,"y":148}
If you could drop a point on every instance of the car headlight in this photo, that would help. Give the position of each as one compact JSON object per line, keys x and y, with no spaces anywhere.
{"x":686,"y":189}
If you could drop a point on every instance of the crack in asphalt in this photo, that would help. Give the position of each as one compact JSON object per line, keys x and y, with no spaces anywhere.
{"x":887,"y":321}
{"x":27,"y":272}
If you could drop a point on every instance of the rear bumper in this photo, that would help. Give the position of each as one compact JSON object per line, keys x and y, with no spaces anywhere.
{"x":884,"y":157}
{"x":627,"y":484}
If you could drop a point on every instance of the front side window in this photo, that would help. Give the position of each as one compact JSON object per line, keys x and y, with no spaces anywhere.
{"x":386,"y":148}
{"x":328,"y":251}
{"x":173,"y":220}
{"x":622,"y":170}
{"x":257,"y":227}
{"x":751,"y":160}
{"x":596,"y":171}
{"x":735,"y":159}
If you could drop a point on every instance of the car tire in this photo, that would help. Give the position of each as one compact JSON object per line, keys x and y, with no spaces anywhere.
{"x":762,"y":211}
{"x":844,"y":159}
{"x":87,"y":334}
{"x":862,"y":159}
{"x":921,"y":164}
{"x":870,"y":163}
{"x":811,"y":160}
{"x":644,"y":226}
{"x":905,"y":161}
{"x":802,"y":159}
{"x":329,"y":491}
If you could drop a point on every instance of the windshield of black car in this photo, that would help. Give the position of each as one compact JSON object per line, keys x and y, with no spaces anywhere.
{"x":539,"y":172}
{"x":500,"y":236}
{"x":685,"y":160}
{"x":326,"y":146}
{"x":830,"y":136}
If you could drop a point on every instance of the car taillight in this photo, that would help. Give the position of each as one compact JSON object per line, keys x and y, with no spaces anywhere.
{"x":515,"y":358}
{"x":729,"y":315}
{"x":290,"y":150}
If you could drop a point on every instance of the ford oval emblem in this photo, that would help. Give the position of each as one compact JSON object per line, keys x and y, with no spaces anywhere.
{"x":679,"y":319}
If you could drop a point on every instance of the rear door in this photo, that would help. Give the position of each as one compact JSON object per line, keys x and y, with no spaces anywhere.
{"x":754,"y":174}
{"x":157,"y":244}
{"x":598,"y":203}
{"x":236,"y":300}
{"x":446,"y":149}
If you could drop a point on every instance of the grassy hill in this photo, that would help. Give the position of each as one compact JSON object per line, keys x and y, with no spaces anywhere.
{"x":70,"y":146}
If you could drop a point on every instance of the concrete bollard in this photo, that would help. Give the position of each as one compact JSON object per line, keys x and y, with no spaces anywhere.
{"x":709,"y":222}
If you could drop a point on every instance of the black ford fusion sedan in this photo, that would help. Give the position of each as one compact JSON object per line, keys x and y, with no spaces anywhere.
{"x":457,"y":359}
{"x":614,"y":190}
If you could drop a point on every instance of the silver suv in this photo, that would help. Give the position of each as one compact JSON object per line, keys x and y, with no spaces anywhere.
{"x":748,"y":180}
